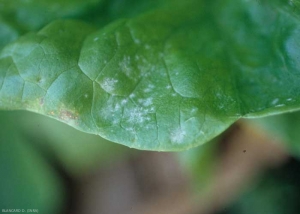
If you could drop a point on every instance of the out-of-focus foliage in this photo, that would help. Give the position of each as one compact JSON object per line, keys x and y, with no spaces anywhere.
{"x":77,"y":151}
{"x":18,"y":17}
{"x":200,"y":164}
{"x":284,"y":128}
{"x":30,"y":144}
{"x":27,"y":181}
{"x":276,"y":192}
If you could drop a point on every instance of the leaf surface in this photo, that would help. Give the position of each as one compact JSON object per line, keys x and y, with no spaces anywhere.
{"x":169,"y":79}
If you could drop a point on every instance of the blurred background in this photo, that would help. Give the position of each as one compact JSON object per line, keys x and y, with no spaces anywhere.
{"x":50,"y":167}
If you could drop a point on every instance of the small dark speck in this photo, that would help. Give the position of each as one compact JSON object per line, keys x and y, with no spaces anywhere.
{"x":244,"y":151}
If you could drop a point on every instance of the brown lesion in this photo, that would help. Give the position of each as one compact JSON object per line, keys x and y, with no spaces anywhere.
{"x":67,"y":115}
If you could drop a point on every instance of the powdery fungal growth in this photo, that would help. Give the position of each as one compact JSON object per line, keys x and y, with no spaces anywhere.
{"x":107,"y":113}
{"x":108,"y":84}
{"x":137,"y":41}
{"x":126,"y":66}
{"x":147,"y":90}
{"x":177,"y":136}
{"x":194,"y":109}
{"x":148,"y":102}
{"x":124,"y":101}
{"x":137,"y":115}
{"x":111,"y":111}
{"x":275,"y":101}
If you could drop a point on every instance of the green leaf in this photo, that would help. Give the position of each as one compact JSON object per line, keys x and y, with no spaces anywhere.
{"x":33,"y":14}
{"x":8,"y":32}
{"x":19,"y":17}
{"x":169,"y":79}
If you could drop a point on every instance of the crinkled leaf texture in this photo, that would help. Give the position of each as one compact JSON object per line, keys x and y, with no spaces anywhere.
{"x":166,"y":80}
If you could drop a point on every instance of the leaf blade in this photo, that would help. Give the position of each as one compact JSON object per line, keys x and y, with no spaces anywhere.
{"x":170,"y":79}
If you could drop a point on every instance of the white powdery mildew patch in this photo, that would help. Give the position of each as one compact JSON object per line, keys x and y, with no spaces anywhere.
{"x":106,"y":113}
{"x":130,"y":129}
{"x":194,"y":110}
{"x":124,"y":101}
{"x":177,"y":136}
{"x":168,"y":87}
{"x":221,"y":106}
{"x":151,"y":86}
{"x":137,"y":115}
{"x":109,"y":111}
{"x":275,"y":101}
{"x":115,"y":122}
{"x":147,"y":90}
{"x":144,"y":71}
{"x":148,"y":101}
{"x":137,"y":41}
{"x":108,"y":84}
{"x":126,"y":66}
